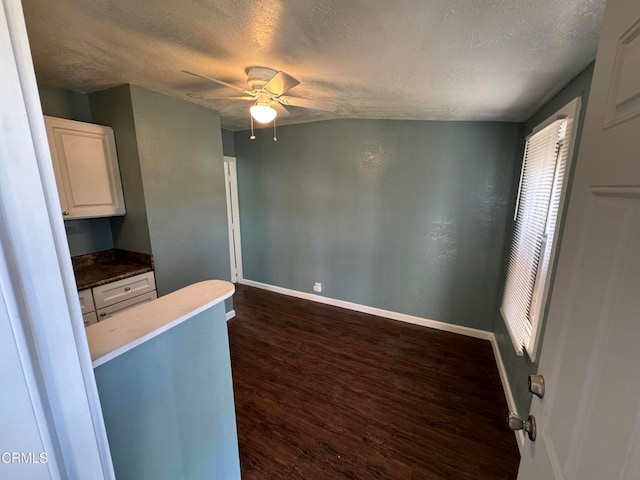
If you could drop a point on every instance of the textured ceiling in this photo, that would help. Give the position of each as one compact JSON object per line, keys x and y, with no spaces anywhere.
{"x":420,"y":59}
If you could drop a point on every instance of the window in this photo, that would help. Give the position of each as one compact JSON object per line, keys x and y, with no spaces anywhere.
{"x":541,"y":194}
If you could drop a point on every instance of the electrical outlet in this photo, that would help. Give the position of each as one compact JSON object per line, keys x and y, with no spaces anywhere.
{"x":317,"y":287}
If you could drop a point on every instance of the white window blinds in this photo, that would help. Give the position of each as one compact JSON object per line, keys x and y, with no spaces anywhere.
{"x":537,"y":207}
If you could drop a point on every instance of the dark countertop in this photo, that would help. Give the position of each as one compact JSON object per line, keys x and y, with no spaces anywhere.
{"x":95,"y":269}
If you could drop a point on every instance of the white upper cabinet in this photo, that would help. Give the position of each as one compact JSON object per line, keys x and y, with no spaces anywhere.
{"x":86,"y":168}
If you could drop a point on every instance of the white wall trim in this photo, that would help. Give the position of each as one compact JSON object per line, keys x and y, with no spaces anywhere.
{"x":508,"y":394}
{"x":402,"y":317}
{"x":231,"y":314}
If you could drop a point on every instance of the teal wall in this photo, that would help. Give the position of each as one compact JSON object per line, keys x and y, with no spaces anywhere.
{"x":86,"y":235}
{"x":113,"y":107}
{"x":168,"y":404}
{"x":59,"y":102}
{"x":170,"y":155}
{"x":519,"y":368}
{"x":228,"y":143}
{"x":408,"y":216}
{"x":180,"y":152}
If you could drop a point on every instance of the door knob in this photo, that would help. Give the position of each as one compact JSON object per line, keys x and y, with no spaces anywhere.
{"x":536,"y":385}
{"x":529,"y":425}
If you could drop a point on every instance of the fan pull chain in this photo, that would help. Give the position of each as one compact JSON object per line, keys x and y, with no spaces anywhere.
{"x":275,"y":137}
{"x":252,"y":137}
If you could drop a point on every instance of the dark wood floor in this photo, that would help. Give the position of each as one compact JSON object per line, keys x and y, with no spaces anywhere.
{"x":326,"y":393}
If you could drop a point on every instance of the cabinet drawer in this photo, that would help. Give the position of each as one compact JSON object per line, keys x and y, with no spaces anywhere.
{"x":111,"y":310}
{"x":122,"y":290}
{"x":89,"y":318}
{"x":86,"y":301}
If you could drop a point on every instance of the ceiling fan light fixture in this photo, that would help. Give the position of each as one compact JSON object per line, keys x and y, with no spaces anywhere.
{"x":263,"y":113}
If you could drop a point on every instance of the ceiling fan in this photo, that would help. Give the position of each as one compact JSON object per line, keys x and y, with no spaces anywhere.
{"x":267,"y":88}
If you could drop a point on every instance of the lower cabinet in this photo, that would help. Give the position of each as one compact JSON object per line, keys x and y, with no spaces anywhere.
{"x":104,"y":301}
{"x":110,"y":311}
{"x":90,"y":318}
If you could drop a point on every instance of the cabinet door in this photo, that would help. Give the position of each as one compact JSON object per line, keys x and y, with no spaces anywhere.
{"x":90,"y":318}
{"x":86,"y":301}
{"x":86,"y":168}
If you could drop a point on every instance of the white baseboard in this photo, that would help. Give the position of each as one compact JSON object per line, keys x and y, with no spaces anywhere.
{"x":511,"y":403}
{"x":231,"y":314}
{"x":402,"y":317}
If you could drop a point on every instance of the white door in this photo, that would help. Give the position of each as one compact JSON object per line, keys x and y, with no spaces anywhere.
{"x":233,"y":218}
{"x":48,"y":396}
{"x":589,"y":419}
{"x":27,"y":452}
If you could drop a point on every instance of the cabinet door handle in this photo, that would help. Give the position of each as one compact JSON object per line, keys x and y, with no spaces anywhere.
{"x":103,"y":314}
{"x":126,"y":289}
{"x":65,"y":213}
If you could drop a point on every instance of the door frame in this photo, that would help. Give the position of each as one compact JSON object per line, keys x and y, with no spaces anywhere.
{"x":233,"y":218}
{"x":36,"y":279}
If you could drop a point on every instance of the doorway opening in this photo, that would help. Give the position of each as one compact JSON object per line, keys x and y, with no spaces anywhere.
{"x":233,"y":218}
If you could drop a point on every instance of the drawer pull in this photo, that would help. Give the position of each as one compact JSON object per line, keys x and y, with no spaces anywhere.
{"x":126,"y":289}
{"x":103,"y":314}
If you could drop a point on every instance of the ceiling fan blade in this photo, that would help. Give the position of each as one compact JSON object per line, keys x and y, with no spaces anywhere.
{"x":281,"y":83}
{"x":281,"y":109}
{"x":306,"y":103}
{"x":204,"y":97}
{"x":219,"y":82}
